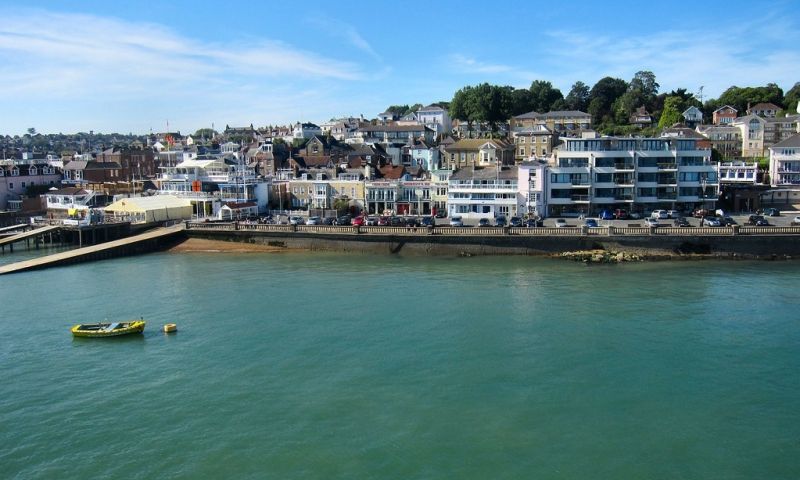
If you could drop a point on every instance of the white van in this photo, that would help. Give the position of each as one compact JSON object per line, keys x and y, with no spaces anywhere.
{"x":659,"y":215}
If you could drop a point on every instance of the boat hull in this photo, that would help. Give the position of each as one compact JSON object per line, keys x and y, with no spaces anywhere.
{"x":102,"y":330}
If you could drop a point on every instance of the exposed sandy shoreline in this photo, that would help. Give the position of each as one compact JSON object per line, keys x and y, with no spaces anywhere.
{"x":218,"y":246}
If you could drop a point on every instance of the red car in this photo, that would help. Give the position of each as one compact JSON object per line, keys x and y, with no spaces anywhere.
{"x":358,"y":221}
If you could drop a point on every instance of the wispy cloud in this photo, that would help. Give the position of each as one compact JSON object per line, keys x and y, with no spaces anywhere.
{"x":345,"y":31}
{"x":97,"y":54}
{"x":686,"y":58}
{"x":471,"y":65}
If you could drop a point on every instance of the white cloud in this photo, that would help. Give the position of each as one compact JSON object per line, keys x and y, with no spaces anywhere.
{"x":684,"y":59}
{"x":346,"y":32}
{"x":92,"y":61}
{"x":467,"y":64}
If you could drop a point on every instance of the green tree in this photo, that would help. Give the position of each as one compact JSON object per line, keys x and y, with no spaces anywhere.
{"x":740,"y":97}
{"x":671,"y":114}
{"x":578,"y":97}
{"x":31,"y":131}
{"x":791,"y":98}
{"x":462,"y":105}
{"x":398,"y":110}
{"x":544,"y":95}
{"x":521,"y":101}
{"x":602,"y":97}
{"x":205,"y":133}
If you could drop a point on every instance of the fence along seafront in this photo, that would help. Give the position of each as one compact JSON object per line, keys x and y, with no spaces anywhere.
{"x":606,"y":231}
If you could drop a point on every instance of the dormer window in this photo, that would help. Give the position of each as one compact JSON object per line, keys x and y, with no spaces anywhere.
{"x":33,"y":171}
{"x":14,"y":172}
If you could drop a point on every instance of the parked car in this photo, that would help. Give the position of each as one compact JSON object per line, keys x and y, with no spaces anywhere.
{"x":534,"y":222}
{"x":328,"y":221}
{"x":635,"y":215}
{"x":796,"y":220}
{"x":606,"y":215}
{"x":561,"y":222}
{"x":619,"y":214}
{"x":515,"y":222}
{"x":681,"y":222}
{"x":659,"y":215}
{"x":396,"y":222}
{"x":712,"y":222}
{"x":772,"y":212}
{"x":314,"y":221}
{"x":484,"y":222}
{"x":651,"y":222}
{"x":294,"y":220}
{"x":411,"y":222}
{"x":383,"y":221}
{"x":500,"y":221}
{"x":590,"y":222}
{"x":441,"y":214}
{"x":344,"y":220}
{"x":700,"y":213}
{"x":673,"y":214}
{"x":728,"y":221}
{"x":427,"y":221}
{"x":456,"y":222}
{"x":757,"y":220}
{"x":358,"y":221}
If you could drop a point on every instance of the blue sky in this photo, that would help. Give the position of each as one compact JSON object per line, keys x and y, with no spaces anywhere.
{"x":138,"y":66}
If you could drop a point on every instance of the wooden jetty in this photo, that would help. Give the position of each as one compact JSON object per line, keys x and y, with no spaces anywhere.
{"x":144,"y":242}
{"x":34,"y":234}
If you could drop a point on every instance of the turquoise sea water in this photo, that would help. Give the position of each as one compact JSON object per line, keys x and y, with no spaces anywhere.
{"x":335,"y":366}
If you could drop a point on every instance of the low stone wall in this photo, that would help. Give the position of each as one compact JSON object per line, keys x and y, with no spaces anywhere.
{"x":750,"y":246}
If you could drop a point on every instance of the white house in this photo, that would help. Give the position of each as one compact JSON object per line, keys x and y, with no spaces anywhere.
{"x":692,"y":116}
{"x":483,"y":192}
{"x":532,"y":185}
{"x":436,"y":118}
{"x":784,"y":162}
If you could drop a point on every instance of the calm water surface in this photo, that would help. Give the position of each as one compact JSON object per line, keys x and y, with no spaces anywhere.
{"x":329,"y":366}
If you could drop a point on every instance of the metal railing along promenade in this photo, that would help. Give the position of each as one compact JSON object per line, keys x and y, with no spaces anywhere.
{"x":607,"y":231}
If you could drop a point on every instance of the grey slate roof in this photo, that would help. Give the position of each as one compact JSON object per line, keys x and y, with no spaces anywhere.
{"x":793,"y":141}
{"x":485,"y":173}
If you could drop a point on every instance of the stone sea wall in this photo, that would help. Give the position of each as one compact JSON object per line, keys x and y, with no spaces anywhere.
{"x":639,"y":247}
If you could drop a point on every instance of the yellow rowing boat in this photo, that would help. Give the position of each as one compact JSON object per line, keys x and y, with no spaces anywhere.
{"x":97,"y":330}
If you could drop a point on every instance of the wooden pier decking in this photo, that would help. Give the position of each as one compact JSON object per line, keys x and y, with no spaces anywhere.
{"x":143,"y":242}
{"x":27,"y":235}
{"x":21,"y":226}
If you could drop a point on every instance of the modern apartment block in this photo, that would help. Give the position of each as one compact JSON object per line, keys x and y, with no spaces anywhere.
{"x":784,"y":162}
{"x":632,"y":174}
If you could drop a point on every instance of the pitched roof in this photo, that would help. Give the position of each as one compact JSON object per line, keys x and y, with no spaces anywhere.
{"x":485,"y":173}
{"x":764,"y":106}
{"x":477,"y":143}
{"x":393,"y":128}
{"x":392,"y":172}
{"x":793,"y":141}
{"x":68,"y":191}
{"x":724,"y":107}
{"x":553,"y":114}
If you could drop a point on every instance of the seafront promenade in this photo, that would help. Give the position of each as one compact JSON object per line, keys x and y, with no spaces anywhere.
{"x":648,"y":242}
